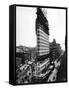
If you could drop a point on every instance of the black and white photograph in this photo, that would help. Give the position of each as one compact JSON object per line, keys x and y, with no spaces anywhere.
{"x":34,"y":44}
{"x":41,"y":45}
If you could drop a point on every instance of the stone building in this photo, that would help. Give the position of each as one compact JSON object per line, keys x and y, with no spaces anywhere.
{"x":42,"y":31}
{"x":55,"y":50}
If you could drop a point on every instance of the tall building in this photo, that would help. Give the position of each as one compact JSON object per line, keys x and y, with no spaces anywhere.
{"x":42,"y":31}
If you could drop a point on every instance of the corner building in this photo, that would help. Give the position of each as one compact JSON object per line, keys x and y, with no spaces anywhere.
{"x":42,"y":31}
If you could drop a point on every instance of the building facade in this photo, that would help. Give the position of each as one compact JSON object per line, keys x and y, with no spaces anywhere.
{"x":42,"y":31}
{"x":55,"y":50}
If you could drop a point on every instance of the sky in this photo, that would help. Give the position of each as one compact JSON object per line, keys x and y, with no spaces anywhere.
{"x":26,"y":28}
{"x":57,"y":25}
